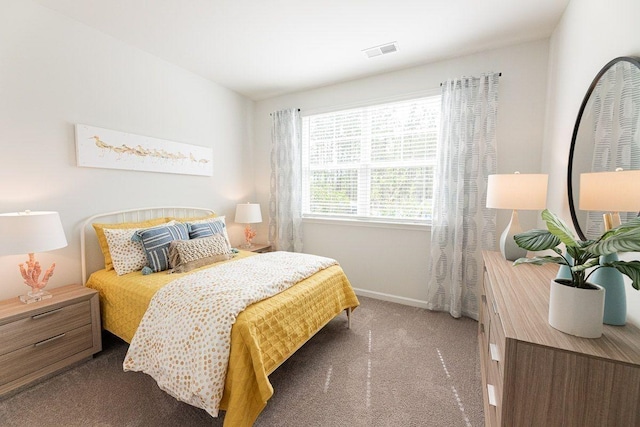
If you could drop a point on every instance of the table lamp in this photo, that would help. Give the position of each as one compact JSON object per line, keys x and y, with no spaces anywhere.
{"x":611,"y":193}
{"x":516,"y":191}
{"x":28,"y":232}
{"x":248,"y":213}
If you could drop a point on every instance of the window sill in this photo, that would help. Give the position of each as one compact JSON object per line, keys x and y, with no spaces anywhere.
{"x":364,"y":223}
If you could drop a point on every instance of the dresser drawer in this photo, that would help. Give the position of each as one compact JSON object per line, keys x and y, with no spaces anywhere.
{"x":484,"y":323}
{"x":497,"y":345}
{"x":44,"y":353}
{"x":495,"y":379}
{"x":495,"y":374}
{"x":40,"y":326}
{"x":491,"y":301}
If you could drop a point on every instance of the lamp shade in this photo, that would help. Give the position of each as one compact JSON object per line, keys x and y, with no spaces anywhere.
{"x":29,"y":232}
{"x":248,"y":213}
{"x":610,"y":191}
{"x":517,"y":191}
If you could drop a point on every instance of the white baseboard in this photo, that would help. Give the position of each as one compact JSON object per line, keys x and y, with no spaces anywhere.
{"x":391,"y":298}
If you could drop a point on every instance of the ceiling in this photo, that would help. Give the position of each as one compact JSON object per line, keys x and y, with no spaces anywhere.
{"x":264,"y":48}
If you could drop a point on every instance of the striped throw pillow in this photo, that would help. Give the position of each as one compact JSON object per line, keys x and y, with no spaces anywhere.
{"x":206,"y":229}
{"x":156,"y":241}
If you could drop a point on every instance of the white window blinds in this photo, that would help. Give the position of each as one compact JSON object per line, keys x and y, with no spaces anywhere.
{"x":374,"y":162}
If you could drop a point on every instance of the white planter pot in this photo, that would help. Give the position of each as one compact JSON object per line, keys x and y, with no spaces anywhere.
{"x":576,"y":311}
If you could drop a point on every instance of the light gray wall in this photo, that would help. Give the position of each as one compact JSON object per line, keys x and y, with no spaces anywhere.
{"x":391,"y":262}
{"x":55,"y":72}
{"x":590,"y":34}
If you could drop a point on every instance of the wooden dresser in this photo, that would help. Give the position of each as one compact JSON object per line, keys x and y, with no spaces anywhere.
{"x":41,"y":338}
{"x":534,"y":375}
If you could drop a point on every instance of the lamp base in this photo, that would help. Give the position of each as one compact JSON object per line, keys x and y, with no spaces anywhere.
{"x":249,"y":234}
{"x":510,"y":250}
{"x":31,"y":297}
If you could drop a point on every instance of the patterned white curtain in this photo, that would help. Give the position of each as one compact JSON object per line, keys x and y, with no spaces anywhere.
{"x":614,"y":122}
{"x":462,"y":226}
{"x":285,"y":218}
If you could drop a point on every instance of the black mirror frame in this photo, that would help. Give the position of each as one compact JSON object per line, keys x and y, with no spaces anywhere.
{"x":572,"y":208}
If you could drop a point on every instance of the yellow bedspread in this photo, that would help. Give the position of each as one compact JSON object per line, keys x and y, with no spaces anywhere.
{"x":263,"y":337}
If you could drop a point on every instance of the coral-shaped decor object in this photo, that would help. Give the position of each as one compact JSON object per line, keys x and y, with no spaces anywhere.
{"x":249,"y":234}
{"x":31,"y":274}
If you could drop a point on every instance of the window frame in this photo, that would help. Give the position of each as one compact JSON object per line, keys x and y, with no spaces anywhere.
{"x":403,"y":223}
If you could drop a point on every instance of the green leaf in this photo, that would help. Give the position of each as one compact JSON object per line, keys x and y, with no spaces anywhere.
{"x":585,"y":254}
{"x":536,"y":240}
{"x":622,"y":228}
{"x":591,"y":263}
{"x":623,"y":240}
{"x":585,"y":243}
{"x":628,"y":268}
{"x":579,"y":254}
{"x":540,"y":260}
{"x":575,"y":252}
{"x":559,"y":228}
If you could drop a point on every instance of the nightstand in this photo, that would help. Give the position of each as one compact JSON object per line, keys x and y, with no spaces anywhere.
{"x":39,"y":339}
{"x":259,"y":248}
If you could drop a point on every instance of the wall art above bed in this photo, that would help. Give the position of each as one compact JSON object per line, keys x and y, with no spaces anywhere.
{"x":104,"y":148}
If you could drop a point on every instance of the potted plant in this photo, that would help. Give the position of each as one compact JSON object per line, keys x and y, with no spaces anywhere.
{"x":575,"y":305}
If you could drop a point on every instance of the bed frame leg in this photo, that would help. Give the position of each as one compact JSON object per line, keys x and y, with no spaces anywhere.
{"x":348,"y":310}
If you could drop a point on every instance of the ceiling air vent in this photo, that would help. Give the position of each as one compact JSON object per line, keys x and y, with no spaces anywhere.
{"x":383,"y":49}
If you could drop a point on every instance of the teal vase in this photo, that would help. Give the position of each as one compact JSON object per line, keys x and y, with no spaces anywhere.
{"x":615,"y":298}
{"x":564,"y":272}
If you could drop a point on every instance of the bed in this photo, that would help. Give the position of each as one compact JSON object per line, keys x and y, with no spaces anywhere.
{"x":263,"y":336}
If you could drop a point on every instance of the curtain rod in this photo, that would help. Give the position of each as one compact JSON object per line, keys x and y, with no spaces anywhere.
{"x":271,"y":114}
{"x":499,"y":75}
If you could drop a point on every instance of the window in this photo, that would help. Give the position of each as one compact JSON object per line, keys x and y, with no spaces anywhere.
{"x":371,"y":163}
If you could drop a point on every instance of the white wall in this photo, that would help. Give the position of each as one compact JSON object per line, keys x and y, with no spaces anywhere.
{"x":590,"y":34}
{"x":392,"y":262}
{"x":55,"y":72}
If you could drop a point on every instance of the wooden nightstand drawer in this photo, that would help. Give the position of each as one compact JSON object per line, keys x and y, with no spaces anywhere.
{"x":44,"y":353}
{"x":40,"y":326}
{"x":39,"y":339}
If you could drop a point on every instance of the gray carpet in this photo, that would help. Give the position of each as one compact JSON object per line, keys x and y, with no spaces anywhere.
{"x":397,"y":366}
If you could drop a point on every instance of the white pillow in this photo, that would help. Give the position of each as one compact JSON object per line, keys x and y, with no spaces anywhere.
{"x":127,"y":255}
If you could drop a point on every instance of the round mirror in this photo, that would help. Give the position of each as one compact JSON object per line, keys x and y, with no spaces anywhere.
{"x":606,"y":136}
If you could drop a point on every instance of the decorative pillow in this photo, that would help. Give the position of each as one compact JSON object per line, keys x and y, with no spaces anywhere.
{"x":208,"y":227}
{"x":102,"y":240}
{"x":186,"y":255}
{"x":156,"y":244}
{"x":126,"y":255}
